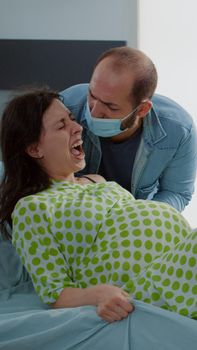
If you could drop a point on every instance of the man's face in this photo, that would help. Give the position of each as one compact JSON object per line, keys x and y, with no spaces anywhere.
{"x":109,"y":92}
{"x":109,"y":96}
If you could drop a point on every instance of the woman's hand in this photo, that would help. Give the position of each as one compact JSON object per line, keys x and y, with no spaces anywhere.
{"x":113,"y":303}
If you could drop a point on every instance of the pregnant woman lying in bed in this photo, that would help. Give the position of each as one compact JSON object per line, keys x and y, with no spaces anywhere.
{"x":85,"y":241}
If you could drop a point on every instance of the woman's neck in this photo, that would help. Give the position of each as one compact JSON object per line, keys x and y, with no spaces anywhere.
{"x":63,"y":177}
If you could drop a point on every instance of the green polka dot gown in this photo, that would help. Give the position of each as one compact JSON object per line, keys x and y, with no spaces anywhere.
{"x":77,"y":236}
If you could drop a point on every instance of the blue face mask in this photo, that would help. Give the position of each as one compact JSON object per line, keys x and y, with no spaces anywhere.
{"x":108,"y":127}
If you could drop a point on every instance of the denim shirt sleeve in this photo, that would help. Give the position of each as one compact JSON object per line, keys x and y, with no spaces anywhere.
{"x":166,"y":162}
{"x":177,"y":180}
{"x":74,"y":98}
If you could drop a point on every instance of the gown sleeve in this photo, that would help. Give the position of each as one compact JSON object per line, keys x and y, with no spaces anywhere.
{"x":41,"y":254}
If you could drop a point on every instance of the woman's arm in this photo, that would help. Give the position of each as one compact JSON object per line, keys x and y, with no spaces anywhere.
{"x":48,"y":268}
{"x":112,"y":302}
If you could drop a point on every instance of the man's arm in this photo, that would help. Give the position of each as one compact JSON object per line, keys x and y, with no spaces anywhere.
{"x":75,"y":98}
{"x":177,"y":181}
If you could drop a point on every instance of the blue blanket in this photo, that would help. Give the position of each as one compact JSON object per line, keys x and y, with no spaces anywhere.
{"x":28,"y":324}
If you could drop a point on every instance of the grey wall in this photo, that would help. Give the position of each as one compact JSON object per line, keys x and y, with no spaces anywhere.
{"x":69,"y":20}
{"x":56,"y":42}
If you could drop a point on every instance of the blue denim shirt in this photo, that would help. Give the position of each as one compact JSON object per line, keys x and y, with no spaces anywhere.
{"x":166,"y":161}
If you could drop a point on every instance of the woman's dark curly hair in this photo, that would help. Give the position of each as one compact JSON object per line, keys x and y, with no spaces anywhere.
{"x":21,"y":126}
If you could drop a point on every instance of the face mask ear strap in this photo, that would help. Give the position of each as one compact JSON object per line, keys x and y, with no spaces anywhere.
{"x":127,"y":121}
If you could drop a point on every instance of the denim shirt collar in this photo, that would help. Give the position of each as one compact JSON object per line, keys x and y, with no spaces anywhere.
{"x":153,"y":130}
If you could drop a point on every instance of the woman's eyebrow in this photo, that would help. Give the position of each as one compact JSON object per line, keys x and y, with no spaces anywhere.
{"x":61,"y":120}
{"x":71,"y":116}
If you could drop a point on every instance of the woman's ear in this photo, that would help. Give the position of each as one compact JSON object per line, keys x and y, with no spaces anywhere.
{"x":144,"y":107}
{"x":34,"y":151}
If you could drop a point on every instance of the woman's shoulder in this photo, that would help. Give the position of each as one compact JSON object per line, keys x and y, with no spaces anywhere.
{"x":32,"y":200}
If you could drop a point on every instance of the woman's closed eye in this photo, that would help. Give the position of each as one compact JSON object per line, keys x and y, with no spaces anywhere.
{"x":62,"y":125}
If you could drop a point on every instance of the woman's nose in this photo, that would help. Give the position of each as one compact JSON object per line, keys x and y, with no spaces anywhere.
{"x":76,"y":127}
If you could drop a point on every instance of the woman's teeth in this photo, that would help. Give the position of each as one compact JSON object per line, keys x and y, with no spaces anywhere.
{"x":76,"y":149}
{"x":79,"y":143}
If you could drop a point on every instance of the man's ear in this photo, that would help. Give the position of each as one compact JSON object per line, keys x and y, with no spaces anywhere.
{"x":34,"y":151}
{"x":144,"y":107}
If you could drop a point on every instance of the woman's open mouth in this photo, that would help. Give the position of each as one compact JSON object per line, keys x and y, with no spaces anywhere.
{"x":77,"y":150}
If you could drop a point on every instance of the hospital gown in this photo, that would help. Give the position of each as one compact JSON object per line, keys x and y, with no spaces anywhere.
{"x":74,"y":235}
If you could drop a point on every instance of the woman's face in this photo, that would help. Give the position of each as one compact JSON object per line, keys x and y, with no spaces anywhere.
{"x":60,"y":146}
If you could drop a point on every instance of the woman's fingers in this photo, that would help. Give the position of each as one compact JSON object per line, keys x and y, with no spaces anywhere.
{"x":115,"y":309}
